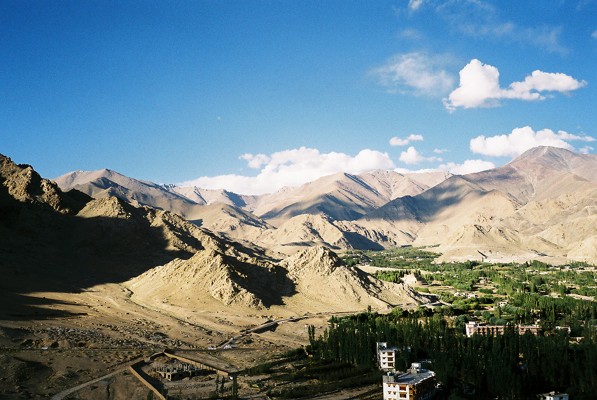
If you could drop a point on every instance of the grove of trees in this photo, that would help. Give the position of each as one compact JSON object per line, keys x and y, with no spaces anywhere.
{"x":509,"y":366}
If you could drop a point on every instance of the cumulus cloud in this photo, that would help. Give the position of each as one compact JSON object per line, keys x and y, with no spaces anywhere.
{"x":415,"y":73}
{"x":292,"y":168}
{"x":480,"y":86}
{"x":523,"y":139}
{"x":540,"y":81}
{"x":440,"y":151}
{"x":467,"y":167}
{"x":255,"y":161}
{"x":411,"y":156}
{"x":415,"y":171}
{"x":397,"y":141}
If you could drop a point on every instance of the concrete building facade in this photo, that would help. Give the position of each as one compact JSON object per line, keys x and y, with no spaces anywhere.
{"x":415,"y":384}
{"x":472,"y":327}
{"x":386,"y":356}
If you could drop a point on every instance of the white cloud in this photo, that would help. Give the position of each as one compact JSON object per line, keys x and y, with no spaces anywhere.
{"x":414,"y":5}
{"x":570,"y":136}
{"x":292,"y":168}
{"x":440,"y":151}
{"x":411,"y":156}
{"x":540,"y":81}
{"x":467,"y":167}
{"x":415,"y":73}
{"x":522,"y":139}
{"x":480,"y":86}
{"x":255,"y":161}
{"x":397,"y":141}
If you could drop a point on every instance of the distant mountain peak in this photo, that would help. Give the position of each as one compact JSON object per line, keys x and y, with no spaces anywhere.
{"x":545,"y":160}
{"x":546,"y":154}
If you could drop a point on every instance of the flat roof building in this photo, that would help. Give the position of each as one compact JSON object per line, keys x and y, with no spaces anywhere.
{"x":415,"y":384}
{"x":472,"y":327}
{"x":386,"y":356}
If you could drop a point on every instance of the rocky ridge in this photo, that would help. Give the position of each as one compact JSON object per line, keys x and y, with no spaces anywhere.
{"x":165,"y":260}
{"x":311,"y":280}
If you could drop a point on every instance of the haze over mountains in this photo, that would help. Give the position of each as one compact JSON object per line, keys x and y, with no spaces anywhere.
{"x":542,"y":204}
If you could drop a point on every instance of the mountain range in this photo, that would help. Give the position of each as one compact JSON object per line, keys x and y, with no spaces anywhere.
{"x":540,"y":205}
{"x":57,"y":241}
{"x":112,"y":258}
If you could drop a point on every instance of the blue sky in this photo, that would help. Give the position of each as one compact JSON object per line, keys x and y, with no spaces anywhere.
{"x":255,"y":95}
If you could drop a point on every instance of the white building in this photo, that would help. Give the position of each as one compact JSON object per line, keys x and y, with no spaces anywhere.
{"x":472,"y":327}
{"x":386,"y":356}
{"x":416,"y":384}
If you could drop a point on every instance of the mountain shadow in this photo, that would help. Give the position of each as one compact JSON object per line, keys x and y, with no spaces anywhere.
{"x":427,"y":205}
{"x":358,"y":241}
{"x":67,"y":242}
{"x":326,"y":204}
{"x":44,"y":251}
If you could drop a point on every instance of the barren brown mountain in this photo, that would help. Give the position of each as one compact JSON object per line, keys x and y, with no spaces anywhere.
{"x":67,"y":242}
{"x":183,"y":201}
{"x":91,"y":284}
{"x":340,"y":196}
{"x":82,"y":273}
{"x":513,"y":212}
{"x":540,"y":205}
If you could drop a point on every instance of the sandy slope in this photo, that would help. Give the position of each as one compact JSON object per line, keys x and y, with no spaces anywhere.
{"x":323,"y":283}
{"x":311,"y":281}
{"x":231,"y":222}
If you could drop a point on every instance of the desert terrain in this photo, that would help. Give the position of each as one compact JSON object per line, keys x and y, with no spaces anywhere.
{"x":92,"y":285}
{"x":101,"y":271}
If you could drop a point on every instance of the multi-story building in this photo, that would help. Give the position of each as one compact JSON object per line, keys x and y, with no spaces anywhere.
{"x":386,"y":356}
{"x":415,"y":384}
{"x":473,"y":327}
